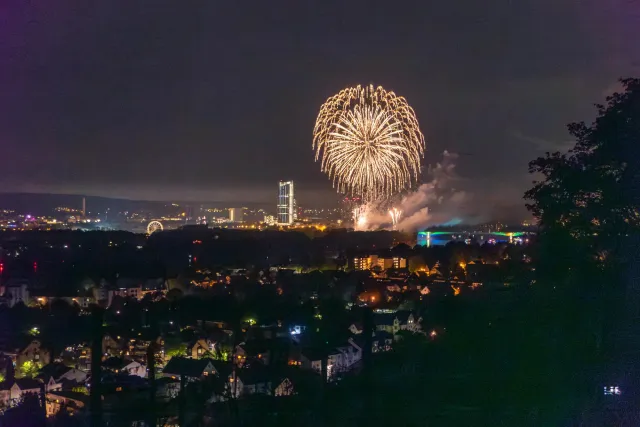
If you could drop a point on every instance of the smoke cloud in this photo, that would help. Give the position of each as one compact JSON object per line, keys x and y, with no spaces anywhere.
{"x":434,"y":203}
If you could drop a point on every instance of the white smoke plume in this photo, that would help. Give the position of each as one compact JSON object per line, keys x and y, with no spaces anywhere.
{"x":433,"y":203}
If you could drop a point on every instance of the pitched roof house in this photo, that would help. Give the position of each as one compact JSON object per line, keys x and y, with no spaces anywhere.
{"x":12,"y":391}
{"x":192,"y":369}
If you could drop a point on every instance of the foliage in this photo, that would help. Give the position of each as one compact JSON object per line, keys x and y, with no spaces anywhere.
{"x":587,"y":200}
{"x":29,"y":369}
{"x":178,"y":350}
{"x":223,"y":352}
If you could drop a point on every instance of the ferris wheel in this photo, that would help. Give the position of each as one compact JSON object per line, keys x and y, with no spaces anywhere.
{"x":154,"y":226}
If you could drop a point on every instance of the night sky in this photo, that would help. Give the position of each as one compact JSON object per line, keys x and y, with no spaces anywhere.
{"x":216,"y":100}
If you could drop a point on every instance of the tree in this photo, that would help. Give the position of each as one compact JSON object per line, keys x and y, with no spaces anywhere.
{"x":588,"y":205}
{"x":589,"y":199}
{"x":179,"y":349}
{"x":29,"y":369}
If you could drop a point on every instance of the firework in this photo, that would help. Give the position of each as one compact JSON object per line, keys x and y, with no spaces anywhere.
{"x":360,"y":218}
{"x":395,"y":215}
{"x":369,"y":142}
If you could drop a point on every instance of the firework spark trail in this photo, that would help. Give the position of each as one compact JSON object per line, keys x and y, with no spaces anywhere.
{"x":395,"y":215}
{"x":360,"y":218}
{"x":369,"y":142}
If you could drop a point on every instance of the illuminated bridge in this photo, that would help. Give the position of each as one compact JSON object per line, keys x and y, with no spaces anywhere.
{"x":439,"y":238}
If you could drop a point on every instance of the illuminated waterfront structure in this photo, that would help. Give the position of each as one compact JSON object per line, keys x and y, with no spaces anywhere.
{"x":441,"y":238}
{"x":286,"y":203}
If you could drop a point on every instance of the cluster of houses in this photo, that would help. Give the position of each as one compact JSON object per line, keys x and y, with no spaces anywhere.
{"x":18,"y":291}
{"x":270,"y":360}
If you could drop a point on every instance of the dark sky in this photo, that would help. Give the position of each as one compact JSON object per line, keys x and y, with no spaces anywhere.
{"x":216,"y":100}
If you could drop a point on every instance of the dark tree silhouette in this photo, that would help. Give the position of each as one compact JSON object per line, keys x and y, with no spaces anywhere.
{"x":588,"y":201}
{"x":588,"y":205}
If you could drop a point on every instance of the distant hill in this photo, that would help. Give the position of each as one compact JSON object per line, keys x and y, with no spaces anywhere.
{"x":44,"y":204}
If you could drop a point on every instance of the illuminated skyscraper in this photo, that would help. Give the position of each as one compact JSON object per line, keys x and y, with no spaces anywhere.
{"x":286,"y":203}
{"x":236,"y":215}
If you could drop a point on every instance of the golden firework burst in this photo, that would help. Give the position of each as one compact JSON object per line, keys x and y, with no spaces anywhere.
{"x":369,"y":142}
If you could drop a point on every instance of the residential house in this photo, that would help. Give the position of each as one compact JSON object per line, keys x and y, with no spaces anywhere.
{"x":424,"y":289}
{"x":57,"y":376}
{"x":339,"y":359}
{"x":397,"y":321}
{"x":73,"y":376}
{"x":382,"y":341}
{"x":257,"y":380}
{"x":408,"y":321}
{"x":253,"y":350}
{"x":285,"y":388}
{"x":34,"y":351}
{"x":11,"y":392}
{"x":192,"y":369}
{"x":201,"y":348}
{"x":51,"y":375}
{"x":138,"y":346}
{"x":70,"y":401}
{"x":101,"y":294}
{"x":154,"y":287}
{"x":111,"y":346}
{"x":78,"y":355}
{"x":133,"y":367}
{"x":126,"y":288}
{"x":167,"y":388}
{"x":383,"y":261}
{"x":52,"y":385}
{"x":124,"y":366}
{"x":15,"y":292}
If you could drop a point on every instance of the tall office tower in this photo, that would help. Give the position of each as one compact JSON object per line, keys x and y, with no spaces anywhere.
{"x":84,"y":207}
{"x":236,"y":215}
{"x":285,"y":203}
